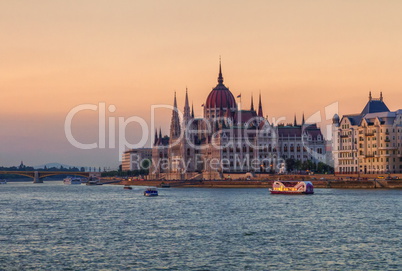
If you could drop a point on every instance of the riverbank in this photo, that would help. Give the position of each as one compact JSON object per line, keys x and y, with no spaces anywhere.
{"x":325,"y":183}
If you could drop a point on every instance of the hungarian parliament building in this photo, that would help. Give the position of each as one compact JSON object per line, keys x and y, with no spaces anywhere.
{"x":230,"y":140}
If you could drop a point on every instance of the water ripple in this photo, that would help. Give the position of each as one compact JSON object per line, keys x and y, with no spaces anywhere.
{"x":56,"y":227}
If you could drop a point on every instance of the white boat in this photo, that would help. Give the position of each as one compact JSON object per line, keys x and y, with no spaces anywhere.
{"x":3,"y":181}
{"x":72,"y":180}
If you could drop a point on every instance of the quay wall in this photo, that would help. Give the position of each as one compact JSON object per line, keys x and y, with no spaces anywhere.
{"x":323,"y":183}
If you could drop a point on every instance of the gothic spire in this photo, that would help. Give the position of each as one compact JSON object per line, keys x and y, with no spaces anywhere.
{"x":192,"y":110}
{"x":175,"y":123}
{"x":186,"y":107}
{"x":156,"y":137}
{"x":303,"y":122}
{"x":220,"y":77}
{"x":160,"y":133}
{"x":370,"y":96}
{"x":174,"y":100}
{"x":252,"y":103}
{"x":381,"y":96}
{"x":295,"y":121}
{"x":260,"y":114}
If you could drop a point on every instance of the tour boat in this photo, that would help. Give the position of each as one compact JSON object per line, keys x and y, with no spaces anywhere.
{"x":3,"y":181}
{"x":151,"y":192}
{"x":292,"y":187}
{"x":72,"y":180}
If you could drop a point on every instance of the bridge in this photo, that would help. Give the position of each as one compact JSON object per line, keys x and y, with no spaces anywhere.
{"x":38,"y":176}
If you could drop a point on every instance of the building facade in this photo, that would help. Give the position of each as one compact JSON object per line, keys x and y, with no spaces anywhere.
{"x":137,"y":159}
{"x":369,"y":142}
{"x":303,"y":142}
{"x":229,"y":140}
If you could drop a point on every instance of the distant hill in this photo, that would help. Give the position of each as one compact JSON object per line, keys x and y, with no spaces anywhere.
{"x":50,"y":165}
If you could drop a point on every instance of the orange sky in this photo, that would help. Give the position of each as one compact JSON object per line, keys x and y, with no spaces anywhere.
{"x":301,"y":55}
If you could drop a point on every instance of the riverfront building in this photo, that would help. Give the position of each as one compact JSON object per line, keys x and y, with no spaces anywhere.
{"x":369,"y":142}
{"x":229,"y":140}
{"x":301,"y":142}
{"x":134,"y":159}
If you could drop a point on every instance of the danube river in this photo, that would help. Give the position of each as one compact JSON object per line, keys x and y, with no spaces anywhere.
{"x":52,"y":226}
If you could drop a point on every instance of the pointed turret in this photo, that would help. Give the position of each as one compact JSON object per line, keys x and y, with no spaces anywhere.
{"x":295,"y":121}
{"x":370,"y":96}
{"x":156,"y":137}
{"x":303,"y":122}
{"x":160,"y":133}
{"x":187,"y":115}
{"x":175,"y":122}
{"x":381,"y":96}
{"x":260,"y":114}
{"x":220,"y":77}
{"x":192,"y":110}
{"x":252,"y":103}
{"x":175,"y":101}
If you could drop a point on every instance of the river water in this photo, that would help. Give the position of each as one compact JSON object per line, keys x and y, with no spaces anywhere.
{"x":52,"y":226}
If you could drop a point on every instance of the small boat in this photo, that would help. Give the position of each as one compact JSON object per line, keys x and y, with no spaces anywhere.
{"x":151,"y":192}
{"x":164,"y":185}
{"x":84,"y":180}
{"x":93,"y":181}
{"x":292,"y":187}
{"x":128,"y":187}
{"x":3,"y":181}
{"x":72,"y":180}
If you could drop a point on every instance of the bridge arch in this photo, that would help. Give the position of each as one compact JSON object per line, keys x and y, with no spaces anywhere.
{"x":39,"y":175}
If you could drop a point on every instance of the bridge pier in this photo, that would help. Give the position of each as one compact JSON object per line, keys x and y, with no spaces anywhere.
{"x":36,"y":178}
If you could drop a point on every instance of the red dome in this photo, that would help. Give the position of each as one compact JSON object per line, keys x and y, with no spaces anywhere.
{"x":220,"y":96}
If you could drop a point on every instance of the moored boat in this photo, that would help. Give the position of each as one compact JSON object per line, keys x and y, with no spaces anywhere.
{"x":151,"y":192}
{"x":292,"y":187}
{"x":128,"y":187}
{"x":93,"y":181}
{"x":72,"y":180}
{"x":3,"y":181}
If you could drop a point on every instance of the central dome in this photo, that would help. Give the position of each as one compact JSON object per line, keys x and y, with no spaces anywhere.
{"x":220,"y":96}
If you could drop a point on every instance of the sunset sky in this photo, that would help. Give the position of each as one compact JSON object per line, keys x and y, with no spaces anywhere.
{"x":301,"y":56}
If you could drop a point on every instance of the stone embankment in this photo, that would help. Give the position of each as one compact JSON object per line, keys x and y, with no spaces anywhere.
{"x":338,"y":183}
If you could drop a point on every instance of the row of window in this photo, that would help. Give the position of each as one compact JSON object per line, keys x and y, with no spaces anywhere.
{"x":374,"y":160}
